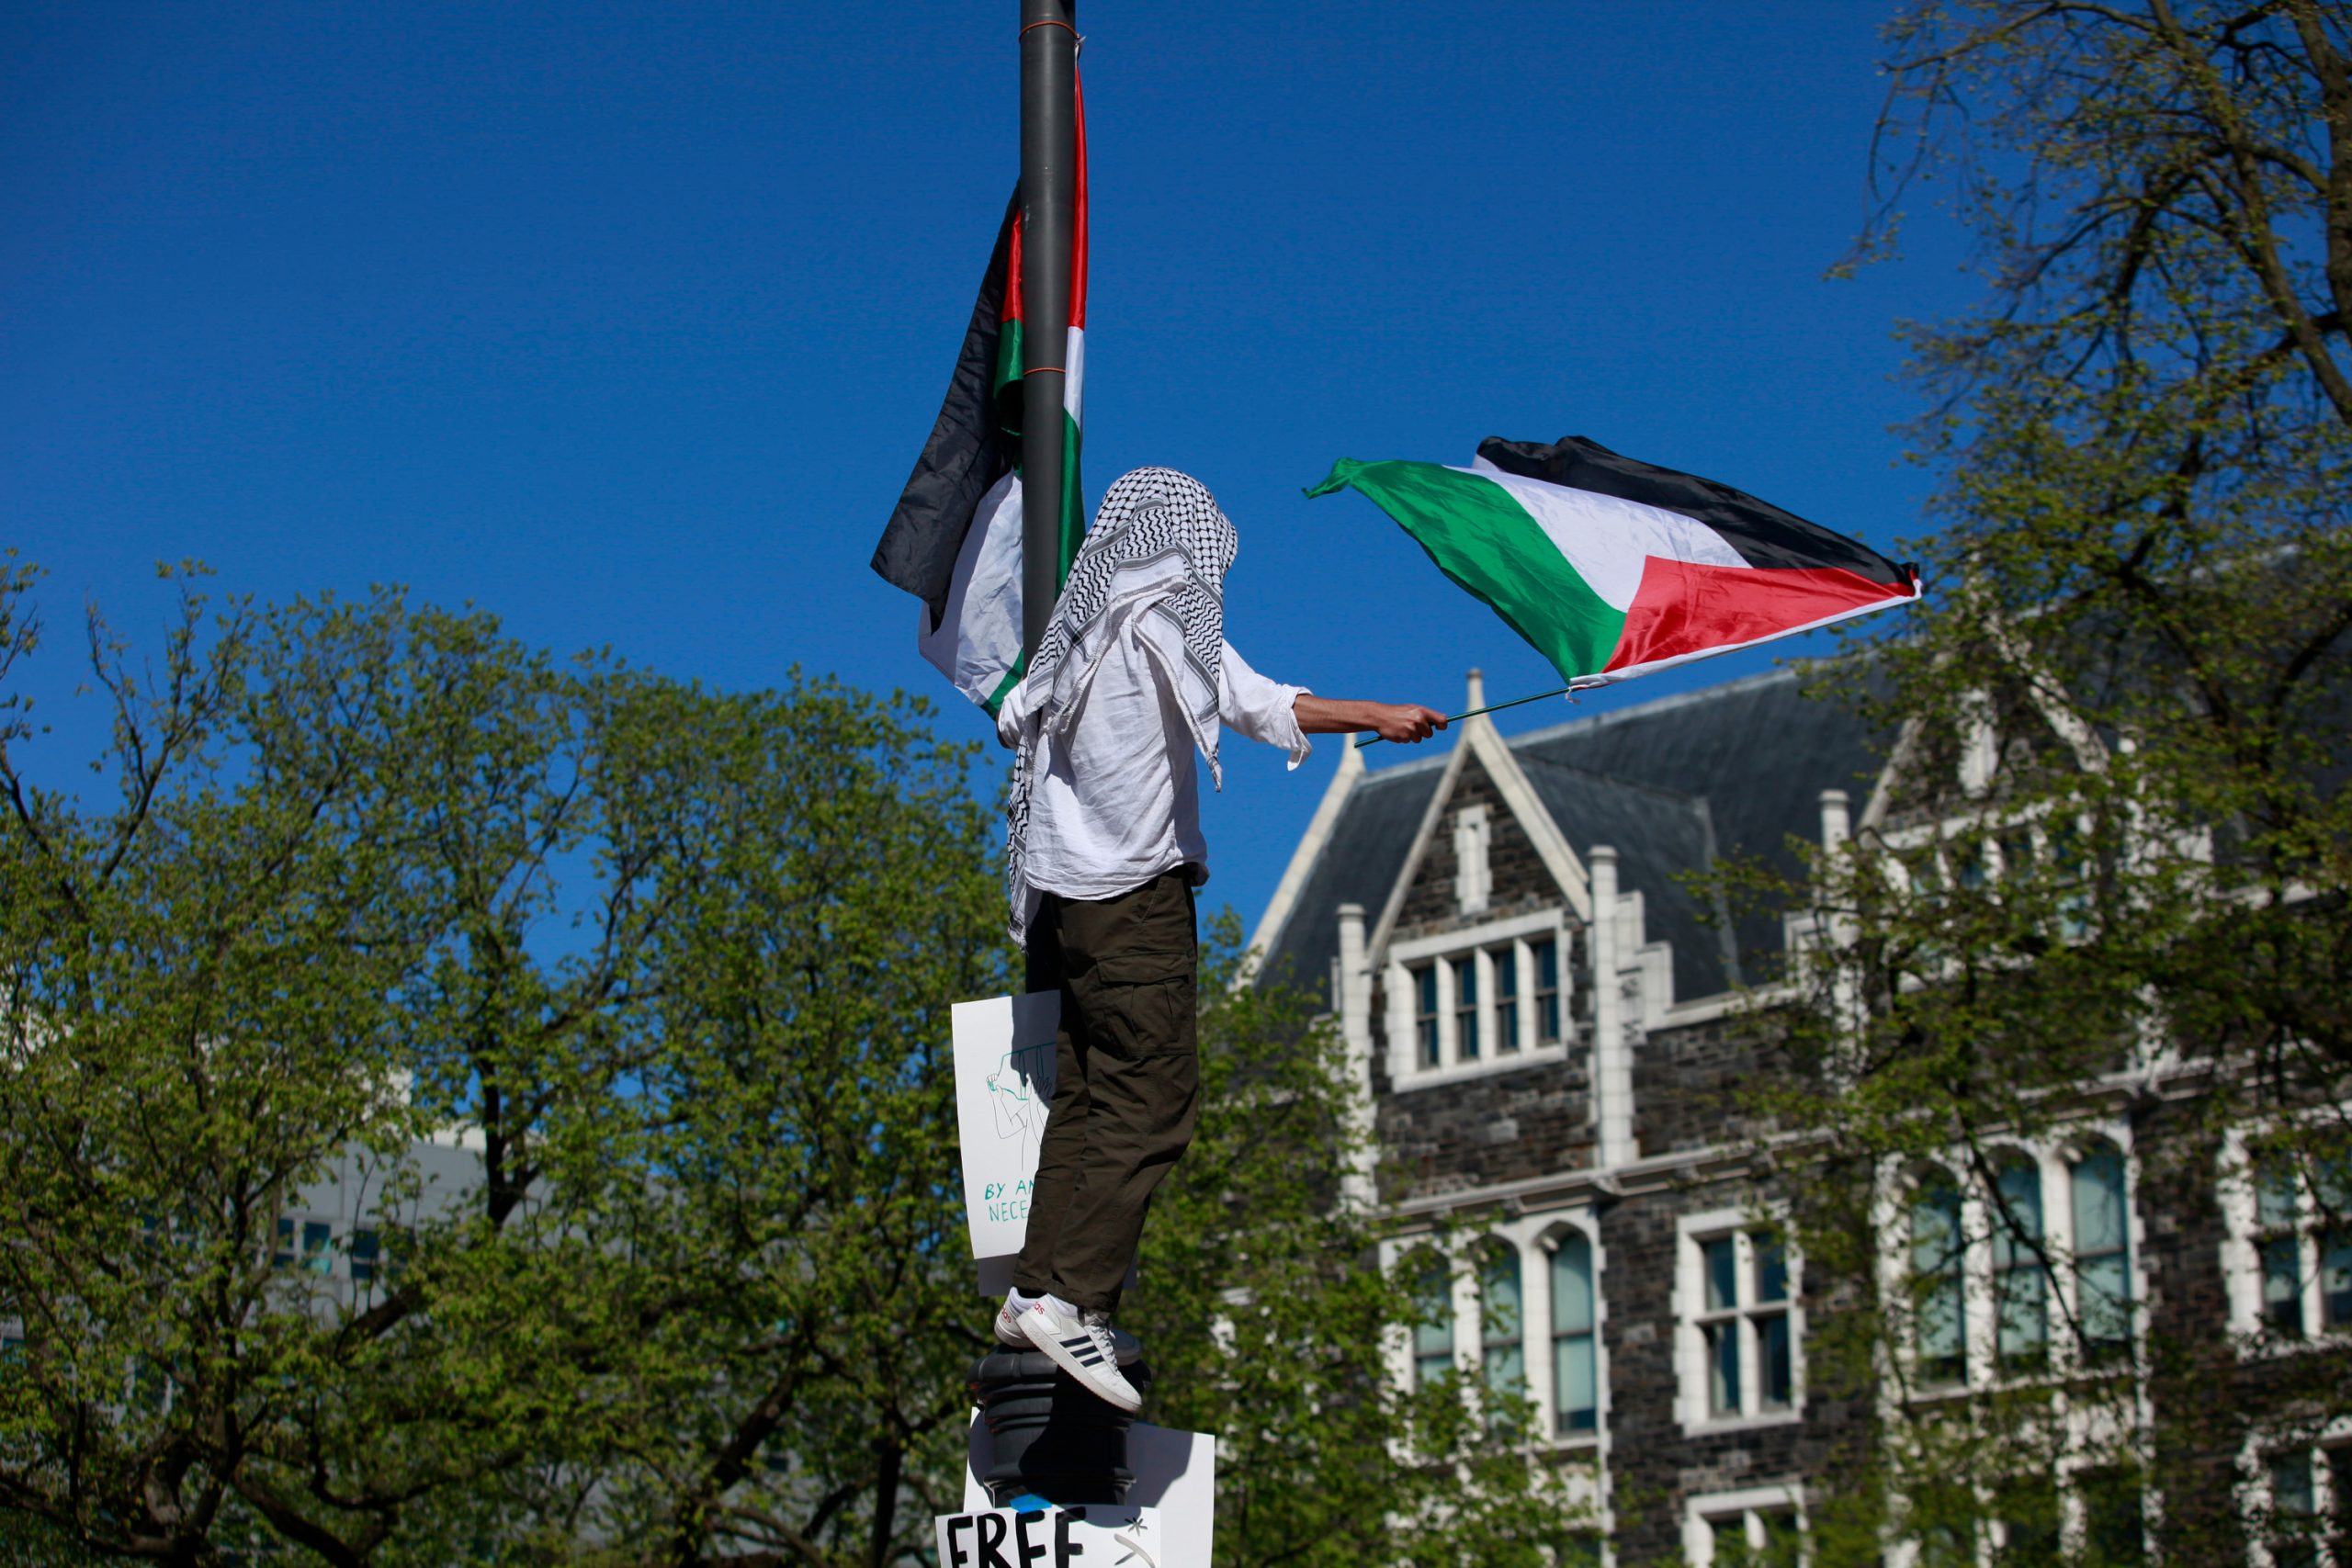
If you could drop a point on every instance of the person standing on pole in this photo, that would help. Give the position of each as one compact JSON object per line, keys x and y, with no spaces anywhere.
{"x":1132,"y":675}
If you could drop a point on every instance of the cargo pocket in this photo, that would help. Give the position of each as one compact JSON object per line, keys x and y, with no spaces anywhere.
{"x":1139,"y":1004}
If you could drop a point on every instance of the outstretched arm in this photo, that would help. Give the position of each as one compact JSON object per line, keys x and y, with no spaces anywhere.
{"x":1401,"y":722}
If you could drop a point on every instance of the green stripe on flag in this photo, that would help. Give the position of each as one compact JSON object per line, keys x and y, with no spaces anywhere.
{"x":1073,"y":503}
{"x":1006,"y":401}
{"x":1484,"y":540}
{"x":1005,"y":392}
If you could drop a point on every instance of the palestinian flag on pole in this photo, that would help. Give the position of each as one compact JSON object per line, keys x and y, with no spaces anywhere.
{"x":1614,"y":568}
{"x":955,"y":540}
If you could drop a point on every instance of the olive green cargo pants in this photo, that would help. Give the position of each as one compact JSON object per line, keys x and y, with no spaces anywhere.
{"x":1126,"y":1081}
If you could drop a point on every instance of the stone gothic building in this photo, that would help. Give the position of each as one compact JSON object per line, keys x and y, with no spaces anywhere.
{"x":1519,"y":950}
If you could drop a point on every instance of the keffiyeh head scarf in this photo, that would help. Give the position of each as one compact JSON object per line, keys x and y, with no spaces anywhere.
{"x":1159,"y":550}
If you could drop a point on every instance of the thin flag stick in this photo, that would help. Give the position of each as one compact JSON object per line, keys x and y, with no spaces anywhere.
{"x":1490,"y":707}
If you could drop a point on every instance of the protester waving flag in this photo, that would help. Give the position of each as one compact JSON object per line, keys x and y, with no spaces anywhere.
{"x":1614,"y":568}
{"x":955,"y":540}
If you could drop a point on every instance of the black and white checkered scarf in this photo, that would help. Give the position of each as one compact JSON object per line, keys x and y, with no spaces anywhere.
{"x":1159,"y":550}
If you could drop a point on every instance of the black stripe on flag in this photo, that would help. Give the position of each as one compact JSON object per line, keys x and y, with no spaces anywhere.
{"x":968,"y":451}
{"x":1764,"y":534}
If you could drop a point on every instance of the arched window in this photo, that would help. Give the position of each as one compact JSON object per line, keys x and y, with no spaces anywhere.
{"x":2102,"y":1256}
{"x":1432,"y":1320}
{"x":1938,"y":1258}
{"x":1576,"y":1402}
{"x":2020,"y":1278}
{"x":1502,"y":1321}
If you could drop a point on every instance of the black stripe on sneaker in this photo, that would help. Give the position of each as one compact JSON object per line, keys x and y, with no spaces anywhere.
{"x":1090,"y":1359}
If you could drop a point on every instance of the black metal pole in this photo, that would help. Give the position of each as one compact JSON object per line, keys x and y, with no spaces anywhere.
{"x":1048,"y":204}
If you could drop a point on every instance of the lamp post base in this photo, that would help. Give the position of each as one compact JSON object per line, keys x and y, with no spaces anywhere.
{"x":1050,"y":1437}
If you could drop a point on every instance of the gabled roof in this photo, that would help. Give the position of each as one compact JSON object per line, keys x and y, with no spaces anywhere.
{"x":1675,"y":785}
{"x":1659,"y":835}
{"x":1358,"y":864}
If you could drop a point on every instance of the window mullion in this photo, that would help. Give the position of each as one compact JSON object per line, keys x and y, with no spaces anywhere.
{"x":2308,"y":1282}
{"x":1523,"y":968}
{"x":1980,"y":1313}
{"x":2062,"y":1314}
{"x":1743,"y":1294}
{"x":1483,"y":966}
{"x":1448,"y":1049}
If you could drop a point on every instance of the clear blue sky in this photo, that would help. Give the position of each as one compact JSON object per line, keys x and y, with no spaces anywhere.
{"x":626,"y":322}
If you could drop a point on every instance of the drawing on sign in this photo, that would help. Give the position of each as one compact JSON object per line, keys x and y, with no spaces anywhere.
{"x":1019,"y":1092}
{"x":1004,"y":1087}
{"x":1126,"y":1538}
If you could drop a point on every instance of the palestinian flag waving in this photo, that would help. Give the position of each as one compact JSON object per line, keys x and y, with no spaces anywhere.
{"x":1614,"y":568}
{"x":955,"y":540}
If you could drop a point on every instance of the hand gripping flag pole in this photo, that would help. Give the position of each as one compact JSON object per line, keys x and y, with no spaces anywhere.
{"x":1453,"y":719}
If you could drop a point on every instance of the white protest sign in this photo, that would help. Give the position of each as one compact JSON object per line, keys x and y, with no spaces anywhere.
{"x":1004,"y":1083}
{"x":1086,"y":1536}
{"x":1175,"y":1481}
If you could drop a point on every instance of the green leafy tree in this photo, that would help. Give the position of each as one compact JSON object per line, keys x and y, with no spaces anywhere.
{"x":2109,"y":878}
{"x":656,"y":971}
{"x":613,"y":1011}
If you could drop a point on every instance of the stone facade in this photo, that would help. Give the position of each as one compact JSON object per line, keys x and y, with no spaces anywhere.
{"x":1511,"y":1145}
{"x":1621,"y":1126}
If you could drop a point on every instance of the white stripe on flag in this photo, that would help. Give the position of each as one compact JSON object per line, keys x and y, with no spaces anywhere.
{"x":1607,"y":540}
{"x":1074,"y":373}
{"x":979,"y":638}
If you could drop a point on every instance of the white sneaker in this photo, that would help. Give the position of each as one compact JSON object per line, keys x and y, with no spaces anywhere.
{"x":1082,"y":1347}
{"x":1008,"y":1332}
{"x":1008,"y":1326}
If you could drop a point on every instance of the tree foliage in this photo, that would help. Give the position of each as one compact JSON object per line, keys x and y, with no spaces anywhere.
{"x":2109,"y":877}
{"x":657,"y":970}
{"x":599,"y":1022}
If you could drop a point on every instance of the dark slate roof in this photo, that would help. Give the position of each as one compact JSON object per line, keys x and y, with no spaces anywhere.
{"x":1673,"y":785}
{"x":1758,"y":752}
{"x":1659,"y":835}
{"x":1359,"y":865}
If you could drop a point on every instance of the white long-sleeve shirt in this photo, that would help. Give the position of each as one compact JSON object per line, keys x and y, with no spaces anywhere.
{"x":1115,"y":801}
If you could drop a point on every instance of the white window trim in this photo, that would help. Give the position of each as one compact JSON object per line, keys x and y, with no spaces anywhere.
{"x":1399,"y":1352}
{"x":1537,"y":1237}
{"x":1690,"y":1297}
{"x":2053,"y":1158}
{"x":2242,"y":1259}
{"x":1701,"y":1512}
{"x":1405,"y":1068}
{"x":1937,"y":837}
{"x":2254,"y":1486}
{"x":1533,"y":1236}
{"x":298,"y":1255}
{"x":2066,"y":1477}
